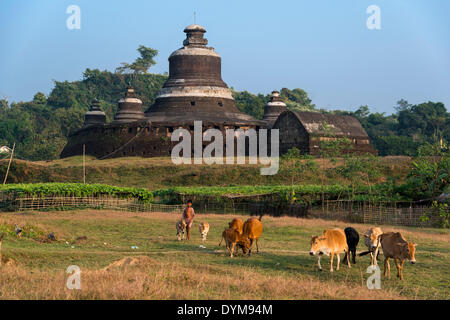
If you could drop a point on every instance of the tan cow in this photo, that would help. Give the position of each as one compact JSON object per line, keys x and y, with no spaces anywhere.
{"x":332,"y":242}
{"x":253,"y":229}
{"x":237,"y":224}
{"x":203,"y":227}
{"x":233,"y":237}
{"x":396,"y":247}
{"x":372,"y":242}
{"x":181,"y":227}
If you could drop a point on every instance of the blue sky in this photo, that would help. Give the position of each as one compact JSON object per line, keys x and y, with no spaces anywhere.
{"x":323,"y":47}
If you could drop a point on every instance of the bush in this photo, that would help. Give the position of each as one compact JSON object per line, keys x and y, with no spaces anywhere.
{"x":77,"y":190}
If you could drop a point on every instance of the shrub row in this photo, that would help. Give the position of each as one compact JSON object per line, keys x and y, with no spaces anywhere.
{"x":76,"y":190}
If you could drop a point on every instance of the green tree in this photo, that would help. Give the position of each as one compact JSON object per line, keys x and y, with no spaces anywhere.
{"x":250,"y":103}
{"x":3,"y":105}
{"x":430,"y":172}
{"x":297,"y":100}
{"x":295,"y":165}
{"x":142,"y":63}
{"x":330,"y":147}
{"x":40,"y":98}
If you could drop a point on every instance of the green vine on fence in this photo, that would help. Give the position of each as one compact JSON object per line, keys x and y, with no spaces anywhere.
{"x":76,"y":190}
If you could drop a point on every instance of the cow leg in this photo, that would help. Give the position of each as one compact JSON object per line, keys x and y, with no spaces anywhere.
{"x":251,"y":245}
{"x":371,"y":258}
{"x":354,"y":256}
{"x":232,"y":249}
{"x":375,"y":256}
{"x":331,"y":262}
{"x":388,"y":268}
{"x":398,"y":267}
{"x":401,"y":269}
{"x":257,"y":248}
{"x":228,"y":243}
{"x":338,"y":260}
{"x":318,"y":262}
{"x":348,"y":260}
{"x":386,"y":264}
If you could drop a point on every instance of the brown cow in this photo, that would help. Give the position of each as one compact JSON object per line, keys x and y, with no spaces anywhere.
{"x":233,"y":237}
{"x":331,"y":242}
{"x":237,"y":224}
{"x":253,"y":229}
{"x":396,"y":247}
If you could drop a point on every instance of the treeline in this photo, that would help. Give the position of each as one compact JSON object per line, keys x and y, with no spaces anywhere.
{"x":40,"y":127}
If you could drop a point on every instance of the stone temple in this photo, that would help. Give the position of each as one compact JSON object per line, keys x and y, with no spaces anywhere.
{"x":194,"y":91}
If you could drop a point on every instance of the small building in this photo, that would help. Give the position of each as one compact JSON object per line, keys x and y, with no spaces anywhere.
{"x":305,"y":131}
{"x":95,"y":115}
{"x":273,"y":109}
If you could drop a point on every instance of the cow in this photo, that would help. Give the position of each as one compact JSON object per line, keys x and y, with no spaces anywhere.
{"x":352,"y":241}
{"x":232,"y":238}
{"x":181,"y":227}
{"x":253,"y":229}
{"x":396,"y":247}
{"x":332,"y":241}
{"x":237,"y":224}
{"x":203,"y":227}
{"x":372,"y":241}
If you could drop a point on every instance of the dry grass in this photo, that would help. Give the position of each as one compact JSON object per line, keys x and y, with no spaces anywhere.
{"x":147,"y":278}
{"x":163,"y":268}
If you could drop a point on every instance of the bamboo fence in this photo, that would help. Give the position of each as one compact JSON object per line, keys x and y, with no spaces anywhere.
{"x":343,"y":210}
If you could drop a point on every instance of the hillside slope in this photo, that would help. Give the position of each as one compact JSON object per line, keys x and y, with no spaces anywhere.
{"x":154,"y":173}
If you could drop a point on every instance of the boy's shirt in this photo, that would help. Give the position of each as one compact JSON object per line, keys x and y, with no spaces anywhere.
{"x":188,"y":213}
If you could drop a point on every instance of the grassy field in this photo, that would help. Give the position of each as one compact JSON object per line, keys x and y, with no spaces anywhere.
{"x":163,"y":268}
{"x":156,"y":173}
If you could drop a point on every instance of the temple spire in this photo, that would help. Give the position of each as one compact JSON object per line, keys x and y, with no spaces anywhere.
{"x":194,"y":36}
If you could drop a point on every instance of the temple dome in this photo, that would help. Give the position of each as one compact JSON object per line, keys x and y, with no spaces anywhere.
{"x":194,"y":27}
{"x":130,"y":108}
{"x":195,"y":89}
{"x":273,"y":109}
{"x":95,"y":115}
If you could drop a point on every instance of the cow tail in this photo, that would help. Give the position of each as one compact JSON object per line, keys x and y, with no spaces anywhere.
{"x":364,"y":253}
{"x":220,"y":243}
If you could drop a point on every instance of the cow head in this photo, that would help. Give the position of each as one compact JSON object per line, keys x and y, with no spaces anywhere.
{"x":374,"y":240}
{"x":316,"y":245}
{"x":203,"y":230}
{"x":409,"y":251}
{"x":244,"y":244}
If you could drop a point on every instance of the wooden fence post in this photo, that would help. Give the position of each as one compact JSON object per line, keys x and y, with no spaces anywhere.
{"x":9,"y":163}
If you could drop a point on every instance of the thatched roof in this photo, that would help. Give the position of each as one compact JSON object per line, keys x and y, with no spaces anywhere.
{"x":340,"y":125}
